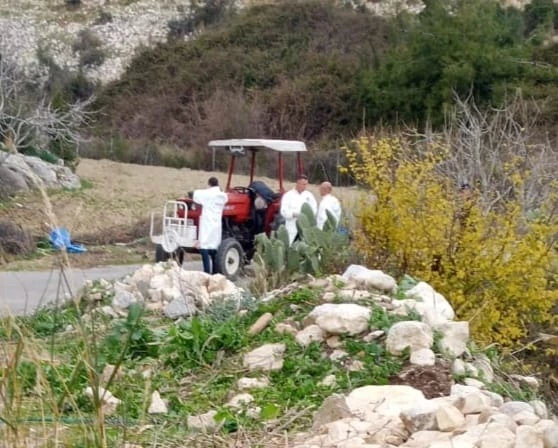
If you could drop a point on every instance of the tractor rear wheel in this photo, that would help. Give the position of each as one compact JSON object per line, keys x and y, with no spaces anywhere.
{"x":230,"y":258}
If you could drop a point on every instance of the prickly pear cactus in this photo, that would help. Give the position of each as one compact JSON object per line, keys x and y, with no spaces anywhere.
{"x":312,"y":253}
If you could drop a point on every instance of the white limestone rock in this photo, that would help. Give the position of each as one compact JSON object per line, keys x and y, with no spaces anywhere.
{"x":205,"y":423}
{"x":240,"y":401}
{"x":454,"y":337}
{"x":252,"y":383}
{"x":266,"y":357}
{"x":328,"y":381}
{"x":528,"y":437}
{"x":449,"y":418}
{"x":420,"y":417}
{"x":312,"y":333}
{"x":408,"y":334}
{"x":540,"y":409}
{"x":370,"y":278}
{"x":388,"y":401}
{"x":512,"y":408}
{"x":333,"y":408}
{"x":424,"y":292}
{"x":423,"y":357}
{"x":157,"y":406}
{"x":109,"y":402}
{"x":344,"y":318}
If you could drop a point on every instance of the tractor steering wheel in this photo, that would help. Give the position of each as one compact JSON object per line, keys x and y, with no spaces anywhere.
{"x":242,"y":190}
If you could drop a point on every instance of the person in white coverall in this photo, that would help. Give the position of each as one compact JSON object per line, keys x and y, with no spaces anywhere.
{"x":213,"y":202}
{"x":292,"y":203}
{"x":328,"y":203}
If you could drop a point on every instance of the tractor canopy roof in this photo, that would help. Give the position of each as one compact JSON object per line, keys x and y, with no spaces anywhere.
{"x":240,"y":145}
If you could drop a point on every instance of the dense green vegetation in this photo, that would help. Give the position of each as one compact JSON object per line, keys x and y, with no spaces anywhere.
{"x":279,"y":70}
{"x":315,"y":71}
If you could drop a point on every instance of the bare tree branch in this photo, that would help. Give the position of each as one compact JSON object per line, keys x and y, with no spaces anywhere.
{"x":28,"y":119}
{"x":485,"y":144}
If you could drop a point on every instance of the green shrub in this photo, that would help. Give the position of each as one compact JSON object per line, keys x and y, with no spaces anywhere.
{"x":199,"y":341}
{"x":470,"y":48}
{"x":131,"y":338}
{"x":103,"y":18}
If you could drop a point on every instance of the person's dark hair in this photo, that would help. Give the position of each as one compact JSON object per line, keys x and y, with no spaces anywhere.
{"x":213,"y":182}
{"x":301,"y":177}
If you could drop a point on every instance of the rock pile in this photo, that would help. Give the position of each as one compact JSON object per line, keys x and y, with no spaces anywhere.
{"x":390,"y":416}
{"x":422,"y":408}
{"x":465,"y":416}
{"x":167,"y":287}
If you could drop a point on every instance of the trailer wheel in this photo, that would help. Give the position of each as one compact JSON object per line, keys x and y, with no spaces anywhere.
{"x":230,"y":258}
{"x":161,"y":254}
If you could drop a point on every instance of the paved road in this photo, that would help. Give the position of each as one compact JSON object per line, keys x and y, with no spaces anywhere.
{"x":23,"y":292}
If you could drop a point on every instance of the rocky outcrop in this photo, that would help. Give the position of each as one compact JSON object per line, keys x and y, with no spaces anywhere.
{"x":22,"y":173}
{"x":30,"y":27}
{"x":34,"y":27}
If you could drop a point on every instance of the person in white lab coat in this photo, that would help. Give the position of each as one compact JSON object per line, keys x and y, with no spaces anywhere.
{"x":292,"y":203}
{"x":213,"y":202}
{"x":328,"y":203}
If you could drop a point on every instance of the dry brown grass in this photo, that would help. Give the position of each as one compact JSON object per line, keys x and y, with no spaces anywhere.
{"x":117,"y":206}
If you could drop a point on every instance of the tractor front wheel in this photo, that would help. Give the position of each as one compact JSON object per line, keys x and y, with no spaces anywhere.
{"x":161,"y":254}
{"x":230,"y":258}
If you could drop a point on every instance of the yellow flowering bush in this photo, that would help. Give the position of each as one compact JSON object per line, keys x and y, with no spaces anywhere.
{"x":494,"y":266}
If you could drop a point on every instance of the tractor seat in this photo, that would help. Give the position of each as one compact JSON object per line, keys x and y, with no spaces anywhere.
{"x":263,"y":190}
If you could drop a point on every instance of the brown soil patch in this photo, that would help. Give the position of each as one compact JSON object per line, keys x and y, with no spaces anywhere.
{"x":435,"y":381}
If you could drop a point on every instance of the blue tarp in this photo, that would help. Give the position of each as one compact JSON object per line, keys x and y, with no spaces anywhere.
{"x":60,"y":239}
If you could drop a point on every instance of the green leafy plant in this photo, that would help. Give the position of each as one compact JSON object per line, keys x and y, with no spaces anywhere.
{"x":383,"y":320}
{"x":200,"y":341}
{"x":132,"y":336}
{"x":378,"y":364}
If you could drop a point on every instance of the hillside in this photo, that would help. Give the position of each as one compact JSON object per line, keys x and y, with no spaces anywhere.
{"x":279,"y":70}
{"x":293,"y":70}
{"x":51,"y":27}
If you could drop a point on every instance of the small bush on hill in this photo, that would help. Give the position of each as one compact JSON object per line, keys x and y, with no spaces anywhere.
{"x":103,"y":18}
{"x":89,"y":46}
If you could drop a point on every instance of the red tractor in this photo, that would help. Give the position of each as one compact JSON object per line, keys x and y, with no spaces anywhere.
{"x":250,"y":209}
